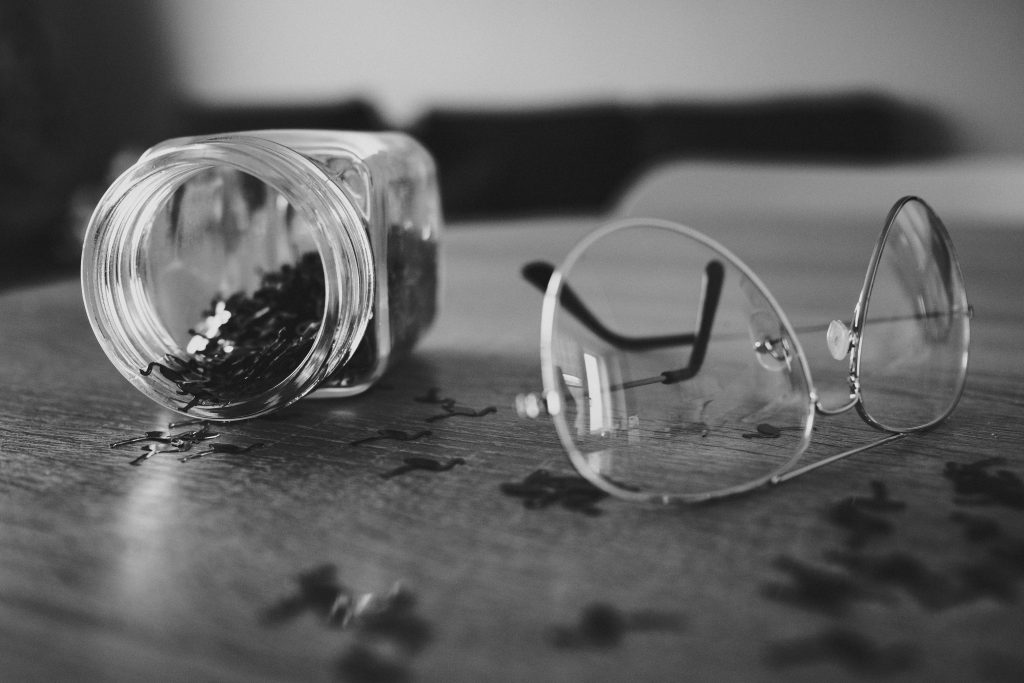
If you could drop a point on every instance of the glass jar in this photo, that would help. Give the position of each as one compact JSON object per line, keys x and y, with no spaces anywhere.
{"x":226,"y":276}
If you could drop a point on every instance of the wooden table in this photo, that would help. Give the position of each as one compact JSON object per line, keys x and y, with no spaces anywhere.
{"x":237,"y":567}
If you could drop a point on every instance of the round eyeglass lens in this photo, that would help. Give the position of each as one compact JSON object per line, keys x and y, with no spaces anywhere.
{"x":912,"y":355}
{"x":669,"y":369}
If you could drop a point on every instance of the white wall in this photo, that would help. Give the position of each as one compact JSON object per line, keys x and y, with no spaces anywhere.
{"x":963,"y":57}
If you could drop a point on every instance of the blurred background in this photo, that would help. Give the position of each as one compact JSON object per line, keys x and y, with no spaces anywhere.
{"x":529,"y":107}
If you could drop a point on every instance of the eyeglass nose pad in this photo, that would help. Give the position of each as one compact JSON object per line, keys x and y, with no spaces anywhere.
{"x":838,"y":338}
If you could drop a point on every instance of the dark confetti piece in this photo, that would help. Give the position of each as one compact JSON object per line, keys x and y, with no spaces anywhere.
{"x":186,"y":443}
{"x":172,"y":375}
{"x":861,"y":525}
{"x":230,"y":448}
{"x":460,"y":411}
{"x":148,"y":452}
{"x":765,"y":430}
{"x":859,"y":514}
{"x":974,"y":483}
{"x":318,"y":591}
{"x":815,"y":588}
{"x":930,"y":588}
{"x":390,"y":616}
{"x":148,"y":436}
{"x":541,"y":489}
{"x":601,"y":625}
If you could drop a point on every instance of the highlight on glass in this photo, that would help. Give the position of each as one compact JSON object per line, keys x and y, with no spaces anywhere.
{"x":671,"y":374}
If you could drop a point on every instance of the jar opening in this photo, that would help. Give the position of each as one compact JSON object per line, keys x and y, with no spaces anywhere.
{"x":226,"y":289}
{"x":236,"y":284}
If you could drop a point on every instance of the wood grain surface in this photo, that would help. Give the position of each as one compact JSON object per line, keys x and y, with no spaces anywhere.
{"x":239,"y":567}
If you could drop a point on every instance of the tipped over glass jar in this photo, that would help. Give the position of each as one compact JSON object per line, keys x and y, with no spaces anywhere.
{"x":230,"y":275}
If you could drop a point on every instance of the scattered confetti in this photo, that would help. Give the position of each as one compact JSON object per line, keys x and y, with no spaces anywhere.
{"x":541,"y":489}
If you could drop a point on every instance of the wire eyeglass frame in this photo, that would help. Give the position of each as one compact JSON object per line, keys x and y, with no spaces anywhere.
{"x":843,"y":341}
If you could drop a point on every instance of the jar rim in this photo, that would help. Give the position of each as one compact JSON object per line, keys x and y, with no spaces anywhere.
{"x":122,"y":315}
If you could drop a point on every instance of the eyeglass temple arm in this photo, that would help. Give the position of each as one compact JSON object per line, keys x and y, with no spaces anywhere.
{"x":538,"y":273}
{"x":714,"y":276}
{"x":810,"y":467}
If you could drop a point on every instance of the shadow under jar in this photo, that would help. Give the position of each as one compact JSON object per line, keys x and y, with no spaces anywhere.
{"x":227,"y":276}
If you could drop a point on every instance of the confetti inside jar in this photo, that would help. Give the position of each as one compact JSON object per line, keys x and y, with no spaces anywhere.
{"x":230,"y":275}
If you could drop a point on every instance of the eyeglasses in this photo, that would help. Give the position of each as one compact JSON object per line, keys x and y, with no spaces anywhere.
{"x":671,"y":374}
